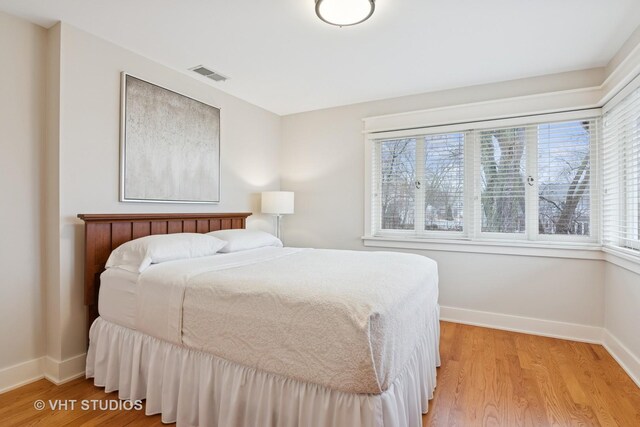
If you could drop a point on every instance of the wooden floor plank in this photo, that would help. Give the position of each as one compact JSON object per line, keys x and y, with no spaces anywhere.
{"x":487,"y":378}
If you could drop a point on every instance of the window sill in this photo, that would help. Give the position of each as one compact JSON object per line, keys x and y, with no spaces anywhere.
{"x":622,"y":258}
{"x":590,"y":251}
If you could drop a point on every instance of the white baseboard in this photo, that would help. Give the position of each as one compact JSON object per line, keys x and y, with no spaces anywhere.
{"x":62,"y":371}
{"x":21,"y":374}
{"x":625,"y":358}
{"x":527,"y":325}
{"x":56,"y":371}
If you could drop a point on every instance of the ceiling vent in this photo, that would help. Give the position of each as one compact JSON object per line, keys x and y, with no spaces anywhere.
{"x":210,"y":74}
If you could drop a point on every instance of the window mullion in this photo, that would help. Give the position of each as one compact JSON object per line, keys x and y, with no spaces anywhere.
{"x":377,"y":188}
{"x":469,"y":184}
{"x":477,"y":187}
{"x":531,"y":183}
{"x":420,"y":186}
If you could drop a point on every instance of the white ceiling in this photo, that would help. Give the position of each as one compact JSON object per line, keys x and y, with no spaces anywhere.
{"x":281,"y":57}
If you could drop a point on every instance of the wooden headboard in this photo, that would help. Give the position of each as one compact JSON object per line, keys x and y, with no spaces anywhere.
{"x":105,"y":232}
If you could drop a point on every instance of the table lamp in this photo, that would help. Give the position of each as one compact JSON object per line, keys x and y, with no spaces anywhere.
{"x":277,"y":203}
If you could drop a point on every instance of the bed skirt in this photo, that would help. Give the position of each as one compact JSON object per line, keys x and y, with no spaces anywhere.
{"x":194,"y":388}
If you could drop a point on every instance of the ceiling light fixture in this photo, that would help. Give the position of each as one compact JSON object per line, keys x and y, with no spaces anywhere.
{"x":344,"y":13}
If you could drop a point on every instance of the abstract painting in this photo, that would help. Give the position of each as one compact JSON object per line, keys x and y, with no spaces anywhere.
{"x":170,"y":146}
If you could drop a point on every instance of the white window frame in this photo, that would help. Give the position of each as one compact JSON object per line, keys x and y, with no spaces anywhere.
{"x":532,"y":192}
{"x":472,"y":194}
{"x":420,"y":200}
{"x":419,"y":220}
{"x":595,"y":224}
{"x":617,"y":246}
{"x":477,"y":194}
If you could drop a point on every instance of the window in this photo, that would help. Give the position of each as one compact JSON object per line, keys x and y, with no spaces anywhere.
{"x":564,"y":177}
{"x":443,"y":182}
{"x":398,"y":175}
{"x":502,"y":174}
{"x":622,"y":174}
{"x":524,"y":182}
{"x":420,"y":184}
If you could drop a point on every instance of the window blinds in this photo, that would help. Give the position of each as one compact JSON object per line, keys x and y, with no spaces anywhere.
{"x":418,"y":183}
{"x":502,"y":171}
{"x":443,"y":182}
{"x":395,"y":182}
{"x":527,"y":182}
{"x":564,"y":177}
{"x":621,"y":153}
{"x":536,"y":179}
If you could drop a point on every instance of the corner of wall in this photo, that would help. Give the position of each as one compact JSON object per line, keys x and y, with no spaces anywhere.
{"x":625,"y":52}
{"x":51,"y":206}
{"x":62,"y":371}
{"x":625,"y":357}
{"x":624,"y":65}
{"x":622,"y":316}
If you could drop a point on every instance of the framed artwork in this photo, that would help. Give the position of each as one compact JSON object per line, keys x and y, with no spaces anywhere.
{"x":170,"y":146}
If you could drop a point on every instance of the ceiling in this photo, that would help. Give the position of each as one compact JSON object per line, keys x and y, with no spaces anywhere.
{"x":280,"y":56}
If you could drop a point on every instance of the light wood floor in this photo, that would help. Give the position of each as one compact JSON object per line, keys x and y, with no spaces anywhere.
{"x":488,"y":378}
{"x":499,"y":378}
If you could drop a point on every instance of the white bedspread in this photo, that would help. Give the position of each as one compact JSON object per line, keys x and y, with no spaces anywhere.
{"x":346,"y":320}
{"x":117,"y":298}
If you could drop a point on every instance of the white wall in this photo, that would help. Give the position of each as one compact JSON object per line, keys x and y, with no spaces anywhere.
{"x":22,"y":95}
{"x":622,"y":308}
{"x":89,"y":105}
{"x":323,"y":162}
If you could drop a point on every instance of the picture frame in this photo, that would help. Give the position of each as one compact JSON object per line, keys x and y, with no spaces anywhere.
{"x":169,"y":145}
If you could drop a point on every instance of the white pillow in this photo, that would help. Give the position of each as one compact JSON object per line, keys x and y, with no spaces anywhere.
{"x":136,"y":255}
{"x":242,"y":240}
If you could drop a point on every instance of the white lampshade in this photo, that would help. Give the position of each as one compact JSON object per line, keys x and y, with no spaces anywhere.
{"x":277,"y":202}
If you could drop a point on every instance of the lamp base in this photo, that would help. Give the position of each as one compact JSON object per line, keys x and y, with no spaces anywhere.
{"x":278,"y":230}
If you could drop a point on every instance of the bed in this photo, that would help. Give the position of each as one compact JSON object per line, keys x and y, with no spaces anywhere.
{"x":268,"y":336}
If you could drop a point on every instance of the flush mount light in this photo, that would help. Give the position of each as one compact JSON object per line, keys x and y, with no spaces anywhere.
{"x":343,"y":13}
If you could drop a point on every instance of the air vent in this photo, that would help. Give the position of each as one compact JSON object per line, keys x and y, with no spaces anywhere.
{"x":210,"y":74}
